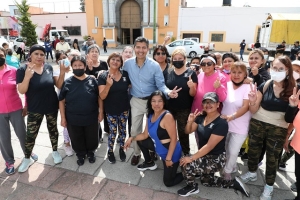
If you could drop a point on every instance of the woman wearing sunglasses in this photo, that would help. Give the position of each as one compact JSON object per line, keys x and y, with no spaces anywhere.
{"x":160,"y":55}
{"x":210,"y":80}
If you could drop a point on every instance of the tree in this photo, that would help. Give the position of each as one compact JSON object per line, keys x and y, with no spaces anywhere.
{"x":82,"y":5}
{"x":28,"y":28}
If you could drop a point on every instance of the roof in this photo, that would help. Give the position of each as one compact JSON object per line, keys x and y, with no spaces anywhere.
{"x":284,"y":16}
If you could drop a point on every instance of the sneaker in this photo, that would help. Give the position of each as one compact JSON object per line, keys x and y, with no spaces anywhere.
{"x":34,"y":156}
{"x":56,"y":157}
{"x":294,"y":187}
{"x":122,"y":154}
{"x":111,"y":157}
{"x":68,"y":150}
{"x":26,"y":163}
{"x":9,"y":169}
{"x":244,"y":157}
{"x":188,"y":190}
{"x":135,"y":160}
{"x":282,"y":167}
{"x":249,"y":176}
{"x":240,"y":186}
{"x":92,"y":158}
{"x":267,"y":193}
{"x":80,"y":161}
{"x":144,"y":166}
{"x":153,"y":155}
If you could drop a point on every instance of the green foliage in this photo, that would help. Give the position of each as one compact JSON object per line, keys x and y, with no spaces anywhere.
{"x":173,"y":39}
{"x":82,"y":5}
{"x":28,"y":28}
{"x":85,"y":37}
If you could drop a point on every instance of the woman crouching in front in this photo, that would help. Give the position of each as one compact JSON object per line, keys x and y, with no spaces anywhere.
{"x":78,"y":105}
{"x":211,"y":157}
{"x":160,"y":136}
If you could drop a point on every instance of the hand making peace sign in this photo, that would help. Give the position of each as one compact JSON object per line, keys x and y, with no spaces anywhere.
{"x":294,"y":98}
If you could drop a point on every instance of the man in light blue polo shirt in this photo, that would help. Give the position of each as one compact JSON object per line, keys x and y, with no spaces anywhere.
{"x":146,"y":76}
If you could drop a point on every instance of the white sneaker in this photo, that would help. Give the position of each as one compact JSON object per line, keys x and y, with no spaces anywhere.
{"x":26,"y":163}
{"x":267,"y":193}
{"x":56,"y":156}
{"x":249,"y":176}
{"x":68,"y":150}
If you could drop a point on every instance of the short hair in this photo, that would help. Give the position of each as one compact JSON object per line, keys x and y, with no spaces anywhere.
{"x":180,"y":51}
{"x":9,"y":52}
{"x":78,"y":58}
{"x":149,"y":106}
{"x":93,"y":46}
{"x":240,"y":65}
{"x":163,"y":49}
{"x":4,"y":44}
{"x":230,"y":55}
{"x":127,"y":47}
{"x":195,"y":58}
{"x":141,"y":39}
{"x":3,"y":50}
{"x":260,"y":52}
{"x":61,"y":38}
{"x":115,"y":55}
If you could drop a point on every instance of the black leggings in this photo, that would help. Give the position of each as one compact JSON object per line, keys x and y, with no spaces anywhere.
{"x":171,"y":177}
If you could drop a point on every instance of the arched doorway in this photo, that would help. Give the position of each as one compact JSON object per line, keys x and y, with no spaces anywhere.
{"x":130,"y":21}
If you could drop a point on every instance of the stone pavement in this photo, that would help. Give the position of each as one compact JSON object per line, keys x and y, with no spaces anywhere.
{"x":102,"y":180}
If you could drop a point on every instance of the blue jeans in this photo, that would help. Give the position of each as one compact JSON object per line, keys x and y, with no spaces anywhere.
{"x":241,"y":54}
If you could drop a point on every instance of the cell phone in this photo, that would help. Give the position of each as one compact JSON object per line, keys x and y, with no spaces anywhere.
{"x":65,"y":61}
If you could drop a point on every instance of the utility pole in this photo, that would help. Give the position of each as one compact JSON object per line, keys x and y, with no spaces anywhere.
{"x":154,"y":24}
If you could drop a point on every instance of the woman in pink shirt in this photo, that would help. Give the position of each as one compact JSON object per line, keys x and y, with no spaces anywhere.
{"x":11,"y":110}
{"x":210,"y":80}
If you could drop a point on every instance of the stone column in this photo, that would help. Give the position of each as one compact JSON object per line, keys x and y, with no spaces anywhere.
{"x":151,"y":12}
{"x":112,"y":13}
{"x":145,"y":13}
{"x":105,"y":12}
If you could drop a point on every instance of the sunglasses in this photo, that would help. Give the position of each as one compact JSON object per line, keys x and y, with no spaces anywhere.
{"x":203,"y":64}
{"x":158,"y":54}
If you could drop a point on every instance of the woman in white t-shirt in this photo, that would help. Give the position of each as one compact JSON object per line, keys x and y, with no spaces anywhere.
{"x":236,"y":111}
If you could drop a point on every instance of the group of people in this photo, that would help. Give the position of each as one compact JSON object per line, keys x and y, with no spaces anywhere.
{"x":217,"y":98}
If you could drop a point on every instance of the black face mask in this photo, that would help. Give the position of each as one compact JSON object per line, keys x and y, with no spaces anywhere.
{"x":178,"y":64}
{"x":78,"y":72}
{"x":238,"y":84}
{"x":2,"y":61}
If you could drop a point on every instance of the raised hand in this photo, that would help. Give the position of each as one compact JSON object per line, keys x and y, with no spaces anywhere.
{"x":190,"y":82}
{"x":110,"y":80}
{"x":167,"y":38}
{"x":193,"y":116}
{"x":174,"y":92}
{"x":89,"y":62}
{"x":254,"y":70}
{"x":253,"y":93}
{"x":30,"y":70}
{"x":294,"y":98}
{"x":217,"y":83}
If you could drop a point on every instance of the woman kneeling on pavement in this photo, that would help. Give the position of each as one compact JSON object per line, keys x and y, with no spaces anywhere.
{"x":211,"y":157}
{"x":79,"y":104}
{"x":160,"y":136}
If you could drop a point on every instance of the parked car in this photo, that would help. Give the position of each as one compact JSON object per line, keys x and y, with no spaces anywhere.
{"x":19,"y":40}
{"x":203,"y":44}
{"x":191,"y":47}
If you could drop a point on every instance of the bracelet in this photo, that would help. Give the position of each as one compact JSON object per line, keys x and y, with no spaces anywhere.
{"x":168,"y":160}
{"x":233,"y":117}
{"x":252,"y":104}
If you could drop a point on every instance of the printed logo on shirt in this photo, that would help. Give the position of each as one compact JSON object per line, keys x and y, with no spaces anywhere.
{"x":90,"y":82}
{"x":186,"y":75}
{"x":47,"y":71}
{"x":124,"y":79}
{"x":211,"y":125}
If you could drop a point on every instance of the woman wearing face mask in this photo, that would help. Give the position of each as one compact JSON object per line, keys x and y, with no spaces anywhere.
{"x":36,"y":80}
{"x":180,"y":107}
{"x":271,"y":109}
{"x":195,"y":65}
{"x":160,"y":55}
{"x":227,"y":61}
{"x":257,"y":73}
{"x":236,"y":112}
{"x":11,"y":111}
{"x":79,"y":108}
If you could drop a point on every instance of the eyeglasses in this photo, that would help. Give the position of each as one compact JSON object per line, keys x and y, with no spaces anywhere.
{"x":158,"y":54}
{"x":203,"y":64}
{"x":278,"y":70}
{"x":208,"y":102}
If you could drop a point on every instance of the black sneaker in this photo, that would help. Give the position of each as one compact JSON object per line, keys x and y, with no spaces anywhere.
{"x":111,"y":157}
{"x":188,"y":190}
{"x":92,"y":159}
{"x":122,"y":154}
{"x":240,"y":186}
{"x":244,"y":157}
{"x":153,"y":155}
{"x":80,"y":161}
{"x":144,"y":166}
{"x":282,"y":167}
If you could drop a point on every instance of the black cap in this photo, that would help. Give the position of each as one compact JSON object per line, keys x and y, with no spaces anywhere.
{"x":36,"y":47}
{"x":211,"y":96}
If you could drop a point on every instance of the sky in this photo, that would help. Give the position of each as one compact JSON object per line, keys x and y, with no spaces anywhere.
{"x":73,"y":5}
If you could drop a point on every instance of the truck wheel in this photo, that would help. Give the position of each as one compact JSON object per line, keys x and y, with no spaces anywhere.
{"x":193,"y":54}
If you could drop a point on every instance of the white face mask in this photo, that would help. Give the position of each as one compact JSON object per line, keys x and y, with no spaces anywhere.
{"x":277,"y":76}
{"x":296,"y":75}
{"x":266,"y":57}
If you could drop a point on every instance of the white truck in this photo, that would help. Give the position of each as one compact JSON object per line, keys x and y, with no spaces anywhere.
{"x":278,"y":27}
{"x":52,"y":33}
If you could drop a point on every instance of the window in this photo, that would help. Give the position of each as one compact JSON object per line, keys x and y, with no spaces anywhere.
{"x":53,"y":28}
{"x":188,"y":43}
{"x":96,"y":21}
{"x":73,"y":30}
{"x":166,"y":2}
{"x":215,"y":37}
{"x":17,"y":12}
{"x":192,"y":35}
{"x":258,"y":33}
{"x":166,"y":20}
{"x":176,"y":44}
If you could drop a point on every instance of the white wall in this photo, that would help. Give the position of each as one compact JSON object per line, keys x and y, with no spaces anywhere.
{"x":238,"y":22}
{"x":59,"y":20}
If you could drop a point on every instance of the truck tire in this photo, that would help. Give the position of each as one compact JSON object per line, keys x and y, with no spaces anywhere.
{"x":193,"y":54}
